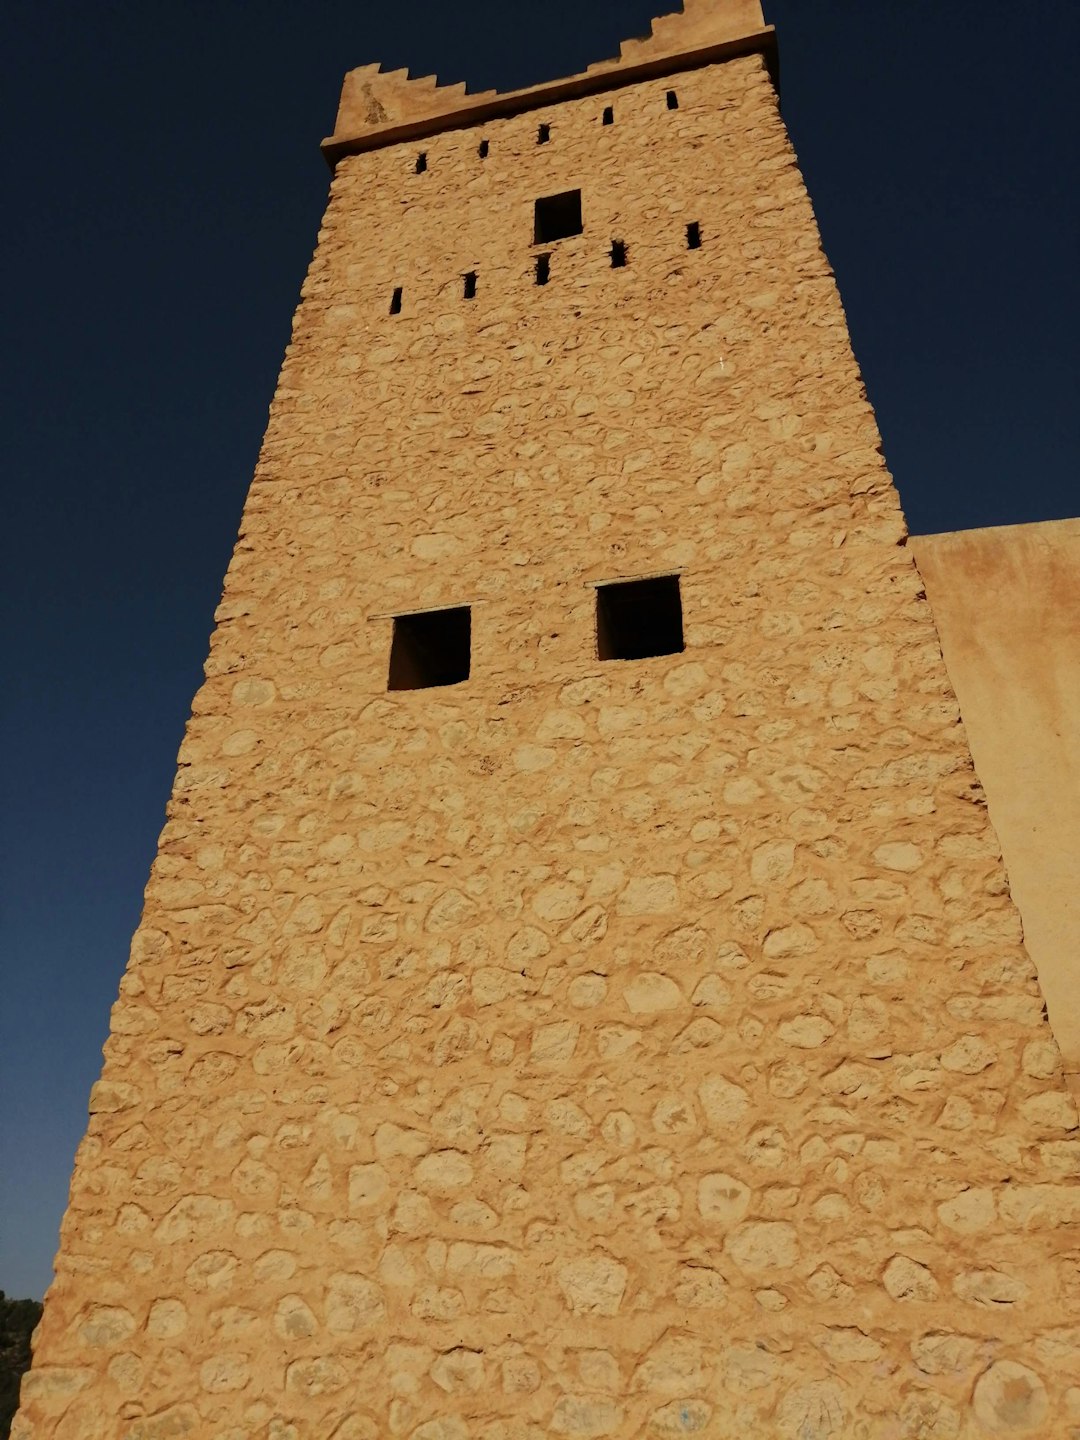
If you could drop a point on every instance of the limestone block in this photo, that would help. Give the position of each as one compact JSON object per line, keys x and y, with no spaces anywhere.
{"x":763,"y":1245}
{"x":1010,"y":1399}
{"x":971,"y":1212}
{"x":585,"y":1415}
{"x":593,"y":1285}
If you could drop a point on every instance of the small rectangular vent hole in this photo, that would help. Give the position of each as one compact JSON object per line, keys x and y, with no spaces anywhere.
{"x":618,"y":254}
{"x":557,"y":216}
{"x":431,"y":648}
{"x":609,"y":115}
{"x":672,"y":100}
{"x":693,"y":235}
{"x":395,"y":301}
{"x":421,"y":163}
{"x":482,"y":149}
{"x":639,"y":618}
{"x":543,"y":135}
{"x":543,"y":269}
{"x":470,"y":285}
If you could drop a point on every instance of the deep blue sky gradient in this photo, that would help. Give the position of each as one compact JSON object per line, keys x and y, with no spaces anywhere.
{"x":164,"y":188}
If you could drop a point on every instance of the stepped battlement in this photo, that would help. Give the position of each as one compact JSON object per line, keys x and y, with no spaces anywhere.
{"x":380,"y":107}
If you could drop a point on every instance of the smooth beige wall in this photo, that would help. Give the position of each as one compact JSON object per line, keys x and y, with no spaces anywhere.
{"x":1007,"y":606}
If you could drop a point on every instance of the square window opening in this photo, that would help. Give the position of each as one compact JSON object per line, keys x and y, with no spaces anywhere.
{"x":543,"y":135}
{"x":639,"y":618}
{"x":693,"y":235}
{"x":483,"y":149}
{"x":421,"y":163}
{"x":543,"y":269}
{"x":609,"y":115}
{"x":431,"y":648}
{"x":618,"y":254}
{"x":470,"y":285}
{"x":395,"y":301}
{"x":672,"y":100}
{"x":557,"y":216}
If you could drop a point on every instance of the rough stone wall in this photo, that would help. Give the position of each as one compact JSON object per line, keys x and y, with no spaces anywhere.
{"x":592,"y":1048}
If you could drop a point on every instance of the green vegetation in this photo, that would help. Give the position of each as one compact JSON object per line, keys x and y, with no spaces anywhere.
{"x":17,"y":1321}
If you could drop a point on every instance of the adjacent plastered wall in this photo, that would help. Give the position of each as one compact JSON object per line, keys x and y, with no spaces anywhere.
{"x":1007,"y":606}
{"x":589,"y":1049}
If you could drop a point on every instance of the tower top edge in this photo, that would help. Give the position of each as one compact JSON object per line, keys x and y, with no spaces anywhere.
{"x":379,"y":108}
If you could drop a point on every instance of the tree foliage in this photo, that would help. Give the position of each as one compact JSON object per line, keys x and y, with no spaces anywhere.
{"x":17,"y":1321}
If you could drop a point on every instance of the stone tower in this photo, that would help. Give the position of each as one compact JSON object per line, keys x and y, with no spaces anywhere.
{"x":578,"y":992}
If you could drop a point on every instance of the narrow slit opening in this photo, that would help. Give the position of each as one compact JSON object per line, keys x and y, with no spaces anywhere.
{"x":482,"y":149}
{"x":543,"y":135}
{"x":421,"y":162}
{"x":470,"y":285}
{"x":395,"y":301}
{"x":609,"y":115}
{"x":693,"y":235}
{"x":543,"y":269}
{"x":672,"y":100}
{"x":618,"y":254}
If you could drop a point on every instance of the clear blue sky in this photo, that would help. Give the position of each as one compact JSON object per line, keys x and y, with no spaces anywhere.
{"x":164,"y":188}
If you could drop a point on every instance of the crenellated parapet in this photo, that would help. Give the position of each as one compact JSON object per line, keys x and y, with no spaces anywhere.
{"x":381,"y":107}
{"x":372,"y":99}
{"x":699,"y":23}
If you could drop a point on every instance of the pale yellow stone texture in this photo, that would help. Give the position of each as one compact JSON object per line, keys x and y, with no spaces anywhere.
{"x":591,"y":1048}
{"x":1007,"y":606}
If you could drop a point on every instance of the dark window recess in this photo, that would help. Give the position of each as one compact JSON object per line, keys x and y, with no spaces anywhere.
{"x":638,"y":618}
{"x":421,"y":163}
{"x":618,"y":254}
{"x":395,"y":302}
{"x":672,"y":100}
{"x":482,"y":149}
{"x":543,"y":269}
{"x":470,"y":285}
{"x":557,"y":216}
{"x":543,"y":135}
{"x":432,"y":648}
{"x":693,"y":236}
{"x":609,"y":115}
